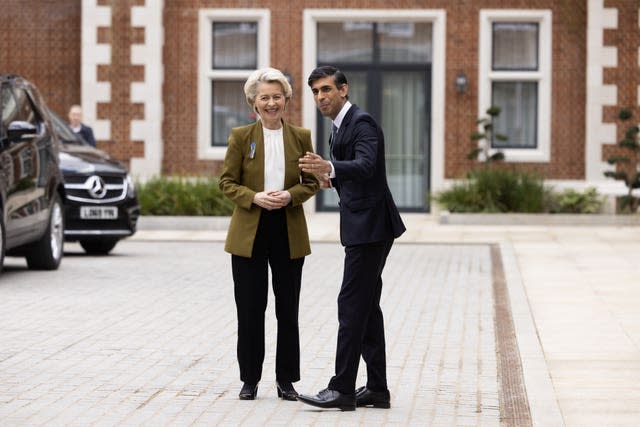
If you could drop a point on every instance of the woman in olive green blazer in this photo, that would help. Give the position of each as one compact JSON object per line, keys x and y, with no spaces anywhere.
{"x":268,"y":228}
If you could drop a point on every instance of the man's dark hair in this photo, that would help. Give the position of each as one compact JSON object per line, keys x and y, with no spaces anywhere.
{"x":328,"y":71}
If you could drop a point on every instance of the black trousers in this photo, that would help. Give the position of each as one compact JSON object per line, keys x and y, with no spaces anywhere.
{"x":251,"y":288}
{"x":361,"y":324}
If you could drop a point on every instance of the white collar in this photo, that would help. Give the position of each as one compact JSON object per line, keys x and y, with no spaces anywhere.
{"x":343,"y":112}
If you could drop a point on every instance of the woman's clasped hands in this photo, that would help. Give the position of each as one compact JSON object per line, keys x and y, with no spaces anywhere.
{"x":270,"y":200}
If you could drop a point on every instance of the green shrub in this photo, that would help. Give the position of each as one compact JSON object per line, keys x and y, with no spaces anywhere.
{"x":183,"y":196}
{"x":492,"y":190}
{"x":508,"y":190}
{"x":572,"y":201}
{"x":462,"y":198}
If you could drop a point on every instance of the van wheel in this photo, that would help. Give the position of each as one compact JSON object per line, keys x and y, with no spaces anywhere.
{"x":46,"y":253}
{"x":98,"y":246}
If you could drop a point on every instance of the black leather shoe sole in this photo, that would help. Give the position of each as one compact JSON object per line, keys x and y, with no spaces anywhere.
{"x":327,"y":405}
{"x":377,"y":399}
{"x":381,"y":405}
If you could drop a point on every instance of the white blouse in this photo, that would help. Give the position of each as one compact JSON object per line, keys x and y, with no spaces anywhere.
{"x":273,"y":159}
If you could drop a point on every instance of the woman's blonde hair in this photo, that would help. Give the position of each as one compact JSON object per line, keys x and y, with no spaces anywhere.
{"x":265,"y":75}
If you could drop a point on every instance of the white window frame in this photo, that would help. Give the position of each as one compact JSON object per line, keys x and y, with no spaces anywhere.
{"x":542,"y":153}
{"x":207,"y":75}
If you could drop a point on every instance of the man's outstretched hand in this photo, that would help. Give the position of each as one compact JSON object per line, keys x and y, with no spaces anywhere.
{"x":315,"y":164}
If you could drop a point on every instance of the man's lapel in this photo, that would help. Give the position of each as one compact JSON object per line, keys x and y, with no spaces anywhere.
{"x":337,"y":146}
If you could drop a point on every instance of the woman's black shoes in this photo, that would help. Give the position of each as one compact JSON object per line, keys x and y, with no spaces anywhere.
{"x":286,"y":390}
{"x":248,"y":391}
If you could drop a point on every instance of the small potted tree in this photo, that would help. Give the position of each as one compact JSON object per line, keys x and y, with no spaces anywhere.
{"x":483,"y":139}
{"x":627,"y":164}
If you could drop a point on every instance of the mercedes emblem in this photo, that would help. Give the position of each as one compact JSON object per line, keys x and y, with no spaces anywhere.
{"x":96,"y":186}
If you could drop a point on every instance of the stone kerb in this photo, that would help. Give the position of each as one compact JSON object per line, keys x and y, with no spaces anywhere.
{"x":188,"y":223}
{"x":448,"y":218}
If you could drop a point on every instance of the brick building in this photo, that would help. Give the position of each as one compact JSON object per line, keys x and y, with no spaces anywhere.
{"x":161,"y":81}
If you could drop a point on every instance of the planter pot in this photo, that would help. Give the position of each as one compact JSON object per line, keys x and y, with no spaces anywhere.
{"x":634,"y":205}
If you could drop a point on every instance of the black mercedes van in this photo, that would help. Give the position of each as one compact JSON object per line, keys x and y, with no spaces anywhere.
{"x":31,"y":185}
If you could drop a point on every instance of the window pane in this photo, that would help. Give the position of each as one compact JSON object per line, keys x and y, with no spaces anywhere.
{"x":9,"y":107}
{"x":229,"y":110}
{"x":518,"y":116}
{"x":404,"y":119}
{"x":515,"y":46}
{"x":405,"y":42}
{"x":350,"y":42}
{"x":24,"y":110}
{"x":235,"y":44}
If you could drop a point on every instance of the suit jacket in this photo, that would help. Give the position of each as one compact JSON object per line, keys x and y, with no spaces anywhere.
{"x":367,"y":211}
{"x":87,"y":134}
{"x":243,"y":176}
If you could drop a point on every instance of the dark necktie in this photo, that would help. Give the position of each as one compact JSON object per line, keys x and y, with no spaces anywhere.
{"x":334,"y":132}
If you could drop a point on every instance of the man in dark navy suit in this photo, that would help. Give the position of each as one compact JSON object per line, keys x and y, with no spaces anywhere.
{"x":76,"y":125}
{"x":369,"y":222}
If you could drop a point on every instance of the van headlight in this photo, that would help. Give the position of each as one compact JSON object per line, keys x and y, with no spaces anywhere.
{"x":131,"y":188}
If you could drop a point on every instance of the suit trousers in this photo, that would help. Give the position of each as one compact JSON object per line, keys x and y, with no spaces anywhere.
{"x":251,"y":288}
{"x":361,"y":323}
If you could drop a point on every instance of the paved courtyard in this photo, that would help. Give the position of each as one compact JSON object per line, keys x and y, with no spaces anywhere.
{"x":147,"y":337}
{"x":486,"y":325}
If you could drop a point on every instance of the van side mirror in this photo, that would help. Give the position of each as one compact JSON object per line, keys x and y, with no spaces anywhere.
{"x":19,"y":131}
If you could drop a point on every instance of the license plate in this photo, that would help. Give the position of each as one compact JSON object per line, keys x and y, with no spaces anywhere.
{"x":98,"y":212}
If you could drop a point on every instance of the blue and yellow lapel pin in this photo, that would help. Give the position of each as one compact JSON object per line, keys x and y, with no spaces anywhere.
{"x":252,"y":149}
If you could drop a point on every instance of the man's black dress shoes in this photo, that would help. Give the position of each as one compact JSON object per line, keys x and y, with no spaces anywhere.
{"x":286,"y":390}
{"x":248,"y":391}
{"x":377,"y":399}
{"x":328,"y":398}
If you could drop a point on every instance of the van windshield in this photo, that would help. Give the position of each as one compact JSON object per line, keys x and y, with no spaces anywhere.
{"x":64,"y":132}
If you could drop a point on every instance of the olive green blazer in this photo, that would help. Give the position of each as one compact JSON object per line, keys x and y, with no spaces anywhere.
{"x":243,"y":176}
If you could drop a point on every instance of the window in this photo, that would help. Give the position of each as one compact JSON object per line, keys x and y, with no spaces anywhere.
{"x":9,"y":108}
{"x":404,"y":48}
{"x":9,"y":111}
{"x":233,"y":43}
{"x":25,"y":111}
{"x":388,"y":66}
{"x":16,"y":106}
{"x":234,"y":47}
{"x":515,"y":75}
